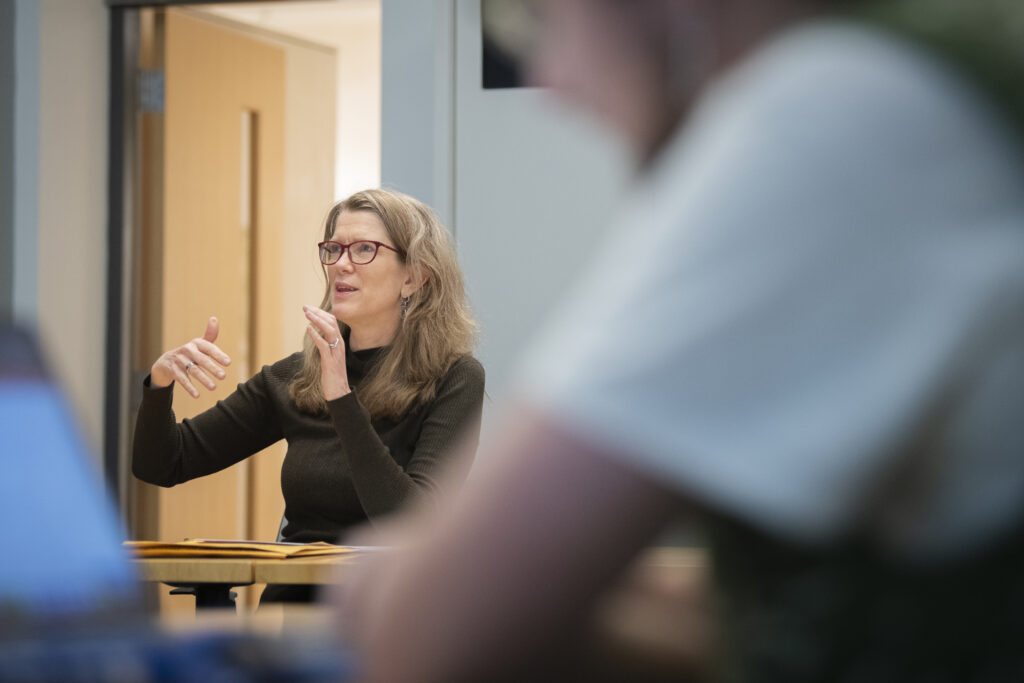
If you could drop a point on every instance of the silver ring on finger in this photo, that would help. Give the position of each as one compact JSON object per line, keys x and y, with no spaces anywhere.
{"x":188,"y":366}
{"x":335,"y":343}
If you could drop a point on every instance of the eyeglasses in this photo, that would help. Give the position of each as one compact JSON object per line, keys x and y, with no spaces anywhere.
{"x":359,"y":253}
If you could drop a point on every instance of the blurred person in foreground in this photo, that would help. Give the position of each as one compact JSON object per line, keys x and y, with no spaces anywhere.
{"x":806,"y":330}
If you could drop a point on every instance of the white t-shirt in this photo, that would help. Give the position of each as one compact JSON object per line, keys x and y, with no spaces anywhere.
{"x":810,"y":312}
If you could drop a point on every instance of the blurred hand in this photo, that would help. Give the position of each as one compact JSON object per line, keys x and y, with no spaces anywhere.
{"x":361,"y":590}
{"x":199,"y":360}
{"x":323,"y":330}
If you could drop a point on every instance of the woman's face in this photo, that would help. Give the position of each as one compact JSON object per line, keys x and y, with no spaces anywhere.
{"x":367,"y":297}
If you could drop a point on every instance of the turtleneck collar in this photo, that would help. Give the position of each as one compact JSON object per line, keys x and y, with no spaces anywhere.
{"x":358,"y":363}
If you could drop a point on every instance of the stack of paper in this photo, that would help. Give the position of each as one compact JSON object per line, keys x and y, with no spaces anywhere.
{"x":202,"y":547}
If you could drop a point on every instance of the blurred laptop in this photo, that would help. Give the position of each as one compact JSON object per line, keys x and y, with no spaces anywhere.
{"x":62,"y":540}
{"x":70,"y":602}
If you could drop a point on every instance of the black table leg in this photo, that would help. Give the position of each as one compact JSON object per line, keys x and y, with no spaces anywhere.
{"x":208,"y":595}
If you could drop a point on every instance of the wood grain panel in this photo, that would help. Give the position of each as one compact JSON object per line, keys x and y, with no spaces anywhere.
{"x":212,"y":75}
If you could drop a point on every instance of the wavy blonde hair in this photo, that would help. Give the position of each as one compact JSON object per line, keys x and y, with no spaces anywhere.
{"x":436,"y":329}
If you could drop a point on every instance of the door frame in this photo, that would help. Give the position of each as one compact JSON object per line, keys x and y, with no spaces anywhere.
{"x":121,"y":390}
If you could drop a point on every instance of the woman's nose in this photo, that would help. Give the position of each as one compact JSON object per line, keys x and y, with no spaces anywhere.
{"x":344,"y":261}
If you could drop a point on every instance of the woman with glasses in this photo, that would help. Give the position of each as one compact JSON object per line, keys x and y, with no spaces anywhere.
{"x":369,"y":409}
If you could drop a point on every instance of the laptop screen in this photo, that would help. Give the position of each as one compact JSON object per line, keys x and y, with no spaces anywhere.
{"x":61,"y":536}
{"x":70,"y":607}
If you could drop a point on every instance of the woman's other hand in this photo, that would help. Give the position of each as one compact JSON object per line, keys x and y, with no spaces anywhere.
{"x":199,"y":360}
{"x":323,"y":330}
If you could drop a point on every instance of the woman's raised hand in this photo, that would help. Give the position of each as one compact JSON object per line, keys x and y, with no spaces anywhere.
{"x":199,"y":360}
{"x":323,"y":330}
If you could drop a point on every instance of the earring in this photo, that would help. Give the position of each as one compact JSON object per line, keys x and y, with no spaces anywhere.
{"x":405,"y":304}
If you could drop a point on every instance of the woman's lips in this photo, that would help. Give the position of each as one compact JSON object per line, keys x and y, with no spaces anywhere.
{"x":343,"y":289}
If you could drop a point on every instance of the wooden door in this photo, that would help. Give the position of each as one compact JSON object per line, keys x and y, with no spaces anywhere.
{"x":212,"y":236}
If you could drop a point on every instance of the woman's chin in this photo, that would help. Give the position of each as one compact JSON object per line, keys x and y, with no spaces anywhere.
{"x":339,"y":312}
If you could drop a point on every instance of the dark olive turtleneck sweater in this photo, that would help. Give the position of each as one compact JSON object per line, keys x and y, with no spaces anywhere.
{"x":341,"y":468}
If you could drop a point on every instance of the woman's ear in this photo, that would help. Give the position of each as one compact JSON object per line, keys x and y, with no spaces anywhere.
{"x":415,"y":278}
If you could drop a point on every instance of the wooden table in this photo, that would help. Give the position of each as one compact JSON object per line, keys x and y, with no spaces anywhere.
{"x":212,"y":578}
{"x":317,"y":570}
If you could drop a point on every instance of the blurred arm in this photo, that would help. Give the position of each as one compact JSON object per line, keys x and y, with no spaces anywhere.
{"x":546,"y":523}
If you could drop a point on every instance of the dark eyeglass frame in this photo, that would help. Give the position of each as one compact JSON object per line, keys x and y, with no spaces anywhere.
{"x":345,"y":247}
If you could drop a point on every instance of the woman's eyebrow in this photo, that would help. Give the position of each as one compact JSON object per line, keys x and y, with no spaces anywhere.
{"x":351,"y":237}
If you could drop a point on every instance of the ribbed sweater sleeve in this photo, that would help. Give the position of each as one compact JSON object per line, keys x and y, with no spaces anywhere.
{"x":166,"y":453}
{"x":380,"y":482}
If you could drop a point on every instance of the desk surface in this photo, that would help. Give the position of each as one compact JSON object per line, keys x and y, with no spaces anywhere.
{"x":321,"y":570}
{"x":243,"y":570}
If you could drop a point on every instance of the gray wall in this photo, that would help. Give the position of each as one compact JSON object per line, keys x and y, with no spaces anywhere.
{"x":417,"y":71}
{"x":25,"y":202}
{"x":6,"y":160}
{"x":509,"y":170}
{"x":57,"y":192}
{"x":528,"y":172}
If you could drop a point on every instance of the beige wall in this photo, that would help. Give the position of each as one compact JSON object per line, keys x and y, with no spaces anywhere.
{"x":309,"y":179}
{"x":72,"y":200}
{"x":359,"y":102}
